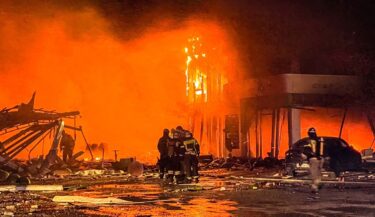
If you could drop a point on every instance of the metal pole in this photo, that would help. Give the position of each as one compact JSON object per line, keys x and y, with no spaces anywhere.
{"x":116,"y":155}
{"x":87,"y":144}
{"x":75,"y":126}
{"x":342,"y":122}
{"x":371,"y":122}
{"x":260,"y":135}
{"x":273,"y":136}
{"x":277,"y":133}
{"x":256,"y":135}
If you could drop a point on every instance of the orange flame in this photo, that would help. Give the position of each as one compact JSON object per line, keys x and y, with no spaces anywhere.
{"x":127,"y":91}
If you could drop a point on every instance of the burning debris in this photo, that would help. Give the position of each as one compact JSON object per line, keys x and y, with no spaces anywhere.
{"x":27,"y":126}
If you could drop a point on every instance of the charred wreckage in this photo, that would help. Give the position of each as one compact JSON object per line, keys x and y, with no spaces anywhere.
{"x":23,"y":126}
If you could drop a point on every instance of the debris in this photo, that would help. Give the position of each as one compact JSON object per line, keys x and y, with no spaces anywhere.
{"x":10,"y":207}
{"x":135,"y":169}
{"x":3,"y":175}
{"x":82,"y":199}
{"x":91,"y":172}
{"x":242,"y":163}
{"x":195,"y":188}
{"x":7,"y":213}
{"x":123,"y":164}
{"x":62,"y":172}
{"x":222,"y":188}
{"x":269,"y":184}
{"x":287,"y":177}
{"x":206,"y":158}
{"x":13,"y":188}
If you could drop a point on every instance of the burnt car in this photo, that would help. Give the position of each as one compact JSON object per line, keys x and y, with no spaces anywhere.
{"x":338,"y":154}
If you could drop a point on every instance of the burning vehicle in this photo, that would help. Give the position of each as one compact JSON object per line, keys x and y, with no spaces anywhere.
{"x":339,"y":155}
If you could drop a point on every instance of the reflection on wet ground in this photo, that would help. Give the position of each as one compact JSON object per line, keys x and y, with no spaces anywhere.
{"x":156,"y":199}
{"x":174,"y":207}
{"x":224,"y":198}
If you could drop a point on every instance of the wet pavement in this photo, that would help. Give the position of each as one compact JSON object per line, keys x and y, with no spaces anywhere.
{"x":211,"y":197}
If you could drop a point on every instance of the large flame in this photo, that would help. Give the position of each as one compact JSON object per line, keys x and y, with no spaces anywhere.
{"x":127,"y":91}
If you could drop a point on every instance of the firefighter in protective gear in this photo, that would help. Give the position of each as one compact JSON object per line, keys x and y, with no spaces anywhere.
{"x":192,"y":152}
{"x":172,"y":157}
{"x":180,"y":155}
{"x":314,"y":153}
{"x":163,"y":150}
{"x":67,"y":144}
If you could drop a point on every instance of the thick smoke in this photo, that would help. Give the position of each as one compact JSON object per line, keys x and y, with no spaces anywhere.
{"x":121,"y":63}
{"x":128,"y":84}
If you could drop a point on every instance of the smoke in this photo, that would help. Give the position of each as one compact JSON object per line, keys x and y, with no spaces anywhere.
{"x":128,"y":85}
{"x":122,"y":63}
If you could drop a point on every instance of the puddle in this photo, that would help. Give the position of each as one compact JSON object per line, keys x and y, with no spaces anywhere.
{"x":195,"y":207}
{"x":151,"y":200}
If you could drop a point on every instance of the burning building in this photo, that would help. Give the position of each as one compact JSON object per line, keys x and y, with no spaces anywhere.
{"x":204,"y":88}
{"x":295,"y":102}
{"x":121,"y":70}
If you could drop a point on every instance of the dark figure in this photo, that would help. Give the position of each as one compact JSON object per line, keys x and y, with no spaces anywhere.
{"x":192,"y":151}
{"x":228,"y":143}
{"x":173,"y":165}
{"x":171,"y":161}
{"x":163,"y":150}
{"x":67,"y":144}
{"x":180,"y":155}
{"x":314,"y":153}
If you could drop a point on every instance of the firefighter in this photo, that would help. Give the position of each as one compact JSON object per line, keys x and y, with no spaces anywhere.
{"x":191,"y":157}
{"x":180,"y":155}
{"x":67,"y":144}
{"x":313,"y":151}
{"x":172,"y":157}
{"x":163,"y":150}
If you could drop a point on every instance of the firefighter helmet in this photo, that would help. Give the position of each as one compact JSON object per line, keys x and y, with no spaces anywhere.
{"x":179,"y":128}
{"x":311,"y":132}
{"x":165,"y":131}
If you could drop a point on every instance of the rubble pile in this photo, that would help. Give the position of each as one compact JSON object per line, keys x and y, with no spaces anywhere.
{"x":24,"y":204}
{"x":240,"y":163}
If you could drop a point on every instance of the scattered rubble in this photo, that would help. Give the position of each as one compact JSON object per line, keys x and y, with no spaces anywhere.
{"x":82,"y":199}
{"x":13,"y":188}
{"x":240,"y":163}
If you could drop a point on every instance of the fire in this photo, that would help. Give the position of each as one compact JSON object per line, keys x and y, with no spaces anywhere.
{"x":356,"y":131}
{"x":196,"y":77}
{"x":126,"y":90}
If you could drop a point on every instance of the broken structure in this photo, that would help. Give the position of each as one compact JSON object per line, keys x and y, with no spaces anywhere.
{"x":281,"y":97}
{"x":23,"y":126}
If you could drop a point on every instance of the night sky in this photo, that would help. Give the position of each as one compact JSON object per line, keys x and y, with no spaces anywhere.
{"x":323,"y":36}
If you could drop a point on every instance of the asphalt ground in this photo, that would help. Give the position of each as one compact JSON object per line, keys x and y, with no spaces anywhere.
{"x":219,"y":193}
